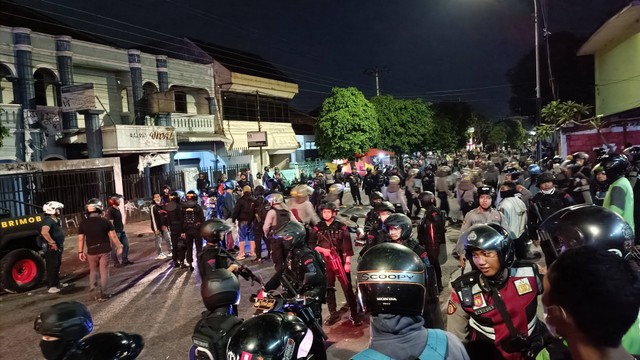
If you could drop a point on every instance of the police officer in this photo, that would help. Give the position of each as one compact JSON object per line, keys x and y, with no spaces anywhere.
{"x":372,"y":222}
{"x":633,"y":154}
{"x":619,"y":197}
{"x":431,"y":233}
{"x":391,"y":290}
{"x":193,"y":217}
{"x":493,"y":307}
{"x":273,"y":335}
{"x":276,"y":217}
{"x":483,"y":214}
{"x":332,"y":239}
{"x":175,"y":219}
{"x":63,"y":327}
{"x":580,"y":159}
{"x":398,"y":229}
{"x":212,"y":257}
{"x":220,"y":290}
{"x":599,"y":228}
{"x":305,"y":271}
{"x":51,"y":232}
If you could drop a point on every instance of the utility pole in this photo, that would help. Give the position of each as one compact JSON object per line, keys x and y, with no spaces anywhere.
{"x":376,"y":71}
{"x":538,"y":99}
{"x":259,"y":124}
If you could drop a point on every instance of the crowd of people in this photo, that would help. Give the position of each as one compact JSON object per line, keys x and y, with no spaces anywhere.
{"x":581,"y":214}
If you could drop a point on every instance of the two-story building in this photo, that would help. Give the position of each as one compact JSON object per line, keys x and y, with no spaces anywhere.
{"x":615,"y":47}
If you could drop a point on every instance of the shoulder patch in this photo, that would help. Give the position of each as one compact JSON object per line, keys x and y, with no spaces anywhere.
{"x":451,"y":308}
{"x":524,"y":272}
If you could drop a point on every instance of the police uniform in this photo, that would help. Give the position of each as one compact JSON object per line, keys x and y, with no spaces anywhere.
{"x":373,"y":231}
{"x":335,"y":235}
{"x":473,"y":315}
{"x":479,"y":216}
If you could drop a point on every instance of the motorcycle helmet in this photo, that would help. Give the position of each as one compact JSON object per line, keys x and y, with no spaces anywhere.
{"x":329,"y":205}
{"x":258,"y":190}
{"x":273,"y":335}
{"x":69,"y":321}
{"x":586,"y":225}
{"x":94,"y":206}
{"x":615,"y":166}
{"x":191,"y":196}
{"x":384,"y":206}
{"x":394,"y":180}
{"x":336,"y":188}
{"x":557,"y":159}
{"x":534,"y":169}
{"x":294,"y":229}
{"x":489,"y":237}
{"x":220,"y":289}
{"x":545,"y":177}
{"x":580,"y":155}
{"x":401,"y":221}
{"x":303,"y":190}
{"x":391,"y":280}
{"x":375,"y":195}
{"x":426,"y":199}
{"x":633,"y":154}
{"x":486,"y":190}
{"x":214,"y":230}
{"x":601,"y":152}
{"x":275,"y":199}
{"x":230,"y":185}
{"x":108,"y":346}
{"x":52,"y":207}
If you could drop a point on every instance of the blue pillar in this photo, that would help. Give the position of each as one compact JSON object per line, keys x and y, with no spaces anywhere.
{"x":64,"y":59}
{"x":94,"y":134}
{"x":135,"y":67}
{"x":25,"y":89}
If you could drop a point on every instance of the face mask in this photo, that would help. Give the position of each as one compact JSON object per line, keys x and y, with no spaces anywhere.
{"x":552,"y":329}
{"x":549,"y":192}
{"x":507,"y":193}
{"x":53,"y":350}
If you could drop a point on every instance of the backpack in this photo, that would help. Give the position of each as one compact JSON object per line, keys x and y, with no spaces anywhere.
{"x":436,"y":348}
{"x":282,"y":217}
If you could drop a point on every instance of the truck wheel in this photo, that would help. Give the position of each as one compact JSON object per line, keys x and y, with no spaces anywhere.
{"x":21,"y":270}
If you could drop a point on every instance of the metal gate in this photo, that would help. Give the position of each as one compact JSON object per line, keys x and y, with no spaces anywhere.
{"x":72,"y":188}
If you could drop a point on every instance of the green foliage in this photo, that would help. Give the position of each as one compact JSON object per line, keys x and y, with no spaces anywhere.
{"x":405,"y":125}
{"x":560,"y":113}
{"x":459,"y":115}
{"x":516,"y":133}
{"x":481,"y":128}
{"x":348,"y":124}
{"x":443,"y":136}
{"x":497,"y":136}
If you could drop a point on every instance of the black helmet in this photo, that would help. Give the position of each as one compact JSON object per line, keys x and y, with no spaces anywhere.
{"x":557,"y":159}
{"x":601,"y":152}
{"x":486,"y":190}
{"x":384,"y":206}
{"x":545,"y":177}
{"x":274,"y":335}
{"x":391,"y":280}
{"x":191,"y":195}
{"x":108,"y":346}
{"x":426,"y":199}
{"x":294,"y":229}
{"x":586,"y":225}
{"x":329,"y":205}
{"x":213,"y":231}
{"x":69,"y":321}
{"x":399,"y":220}
{"x":220,"y":289}
{"x":258,"y":190}
{"x":175,"y":196}
{"x":375,"y":195}
{"x":633,"y":153}
{"x":489,"y":237}
{"x":615,"y":166}
{"x":94,"y":205}
{"x":580,"y":155}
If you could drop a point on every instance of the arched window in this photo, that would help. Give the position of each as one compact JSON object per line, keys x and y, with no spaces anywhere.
{"x":46,"y":87}
{"x":6,"y":85}
{"x":181,"y":101}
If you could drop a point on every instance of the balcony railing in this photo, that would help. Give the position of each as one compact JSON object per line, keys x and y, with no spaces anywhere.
{"x":194,"y":123}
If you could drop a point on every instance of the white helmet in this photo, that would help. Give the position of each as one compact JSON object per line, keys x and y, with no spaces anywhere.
{"x":275,"y":198}
{"x":52,"y":207}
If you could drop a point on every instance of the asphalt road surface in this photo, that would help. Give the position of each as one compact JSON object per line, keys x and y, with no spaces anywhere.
{"x":156,"y":301}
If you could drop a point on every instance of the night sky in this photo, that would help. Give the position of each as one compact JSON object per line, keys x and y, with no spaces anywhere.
{"x":433,"y":49}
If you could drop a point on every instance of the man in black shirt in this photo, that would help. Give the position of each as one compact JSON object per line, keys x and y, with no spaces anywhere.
{"x":115,"y":216}
{"x":97,"y":233}
{"x":52,"y":233}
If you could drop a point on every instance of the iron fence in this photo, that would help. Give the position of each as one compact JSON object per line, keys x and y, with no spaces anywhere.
{"x":214,"y":174}
{"x":140,"y":186}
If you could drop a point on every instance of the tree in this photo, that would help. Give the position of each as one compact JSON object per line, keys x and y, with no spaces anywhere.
{"x":443,"y":136}
{"x":498,"y":136}
{"x":516,"y":133}
{"x":481,"y":128}
{"x":459,"y":115}
{"x":348,"y":124}
{"x":558,"y":114}
{"x":405,"y":125}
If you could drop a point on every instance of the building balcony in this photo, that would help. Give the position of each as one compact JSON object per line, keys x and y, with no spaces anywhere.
{"x":197,"y":128}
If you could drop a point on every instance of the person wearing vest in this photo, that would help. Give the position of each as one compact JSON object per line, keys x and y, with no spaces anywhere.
{"x":483,"y":214}
{"x":493,"y":307}
{"x":175,"y":220}
{"x":397,"y":330}
{"x":431,"y":233}
{"x":193,"y":216}
{"x":515,"y":213}
{"x":53,"y":241}
{"x":274,"y":220}
{"x":332,"y":239}
{"x":619,"y":197}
